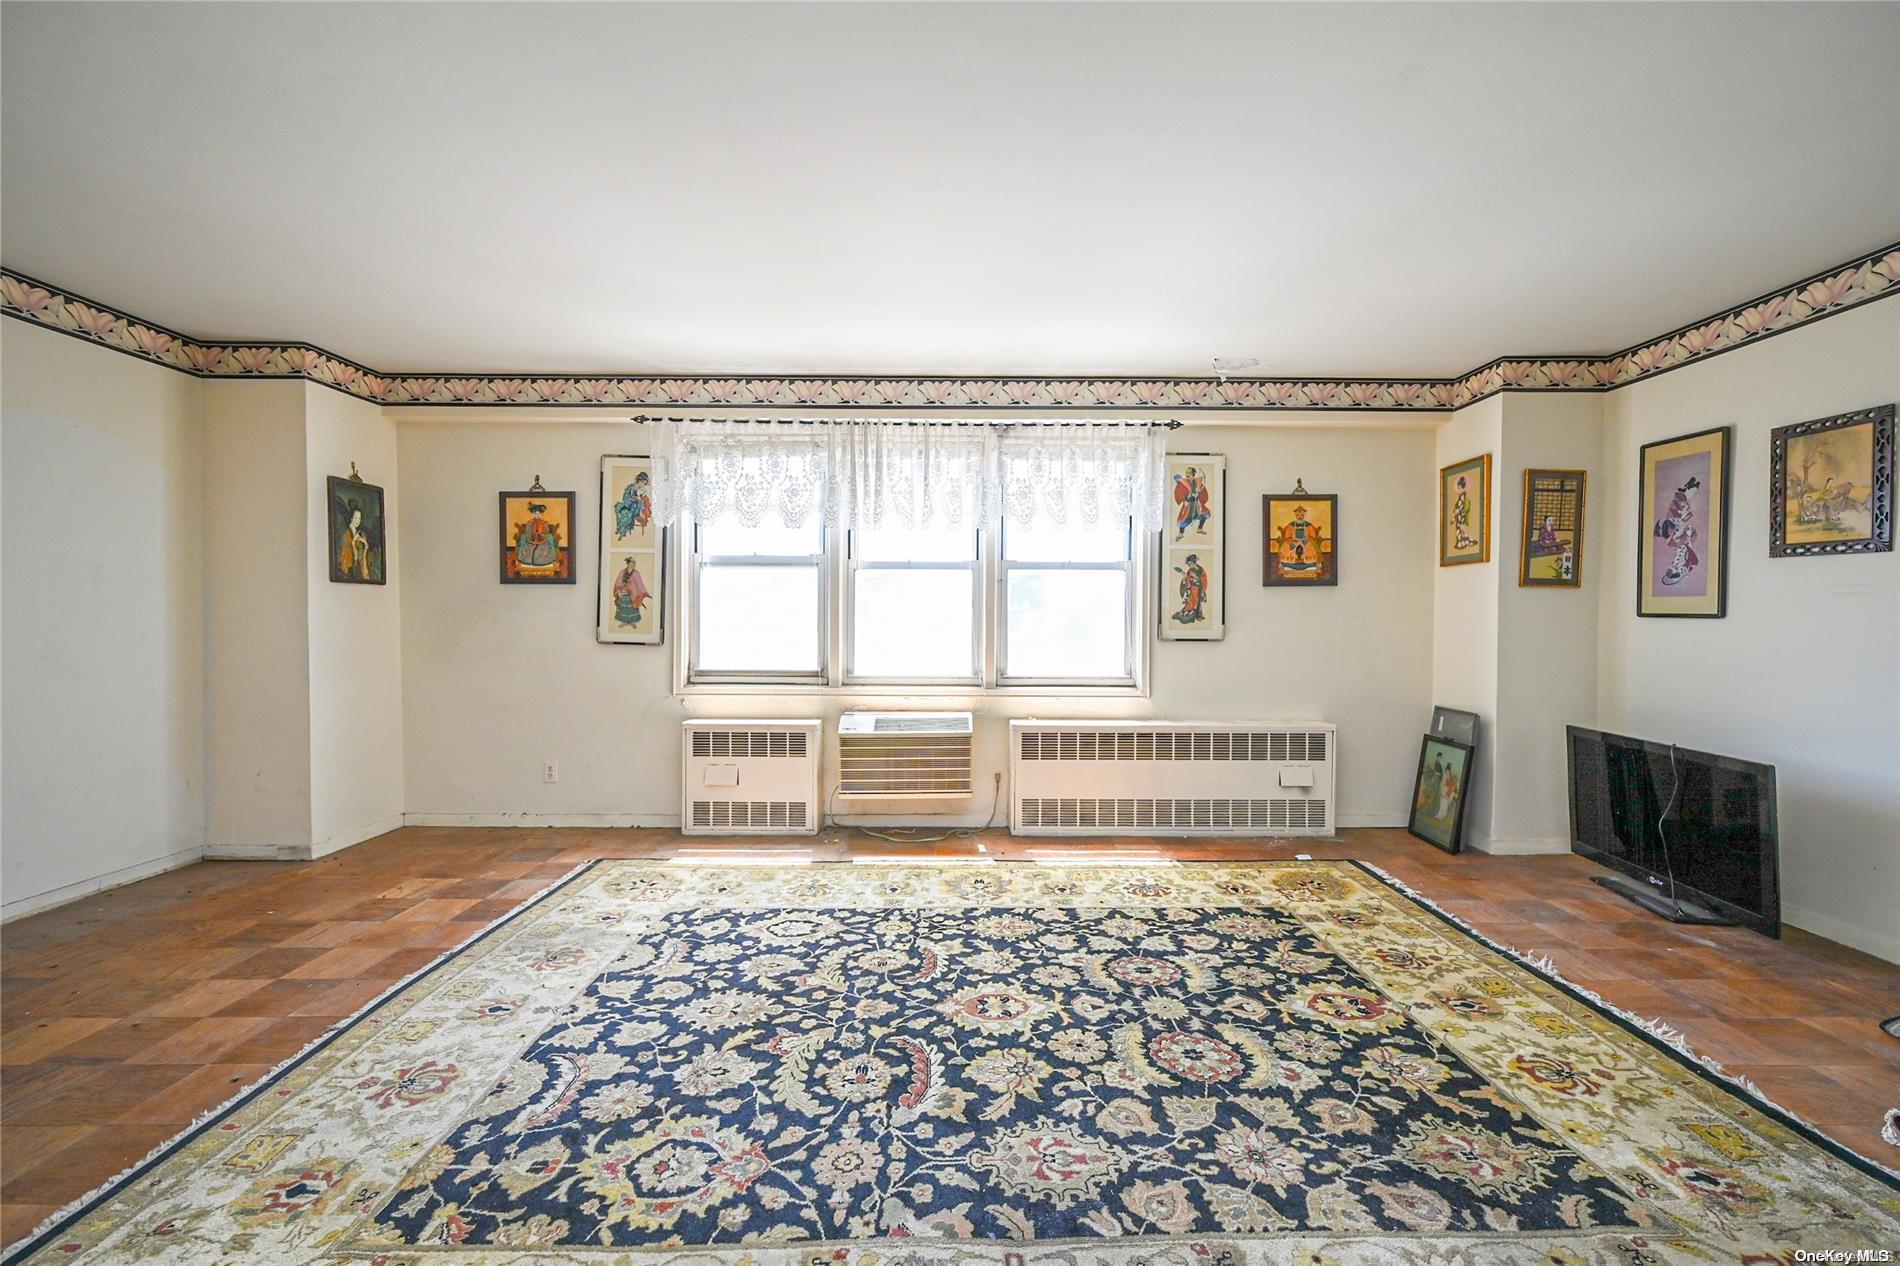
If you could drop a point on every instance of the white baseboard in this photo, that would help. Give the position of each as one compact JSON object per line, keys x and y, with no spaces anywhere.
{"x":382,"y":826}
{"x":81,"y":889}
{"x":1519,"y":848}
{"x":542,"y":819}
{"x":1836,"y":929}
{"x":257,"y":853}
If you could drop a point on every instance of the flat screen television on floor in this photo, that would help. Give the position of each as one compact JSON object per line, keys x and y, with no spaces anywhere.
{"x":1695,"y":832}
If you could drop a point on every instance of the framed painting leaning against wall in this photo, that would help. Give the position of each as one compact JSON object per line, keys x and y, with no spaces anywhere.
{"x":1438,"y":792}
{"x":631,"y":606}
{"x":1830,"y":485}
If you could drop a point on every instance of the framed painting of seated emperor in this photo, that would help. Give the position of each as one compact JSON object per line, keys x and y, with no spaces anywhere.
{"x":537,"y":538}
{"x":1302,"y":538}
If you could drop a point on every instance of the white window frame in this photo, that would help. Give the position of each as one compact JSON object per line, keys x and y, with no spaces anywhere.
{"x":973,"y":567}
{"x":1132,"y":641}
{"x":836,"y":569}
{"x":700,"y":561}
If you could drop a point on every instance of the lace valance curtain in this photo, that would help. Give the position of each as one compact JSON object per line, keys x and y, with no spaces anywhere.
{"x":867,"y":473}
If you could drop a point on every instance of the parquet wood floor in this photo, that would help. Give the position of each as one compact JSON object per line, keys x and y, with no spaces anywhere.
{"x":125,"y":1015}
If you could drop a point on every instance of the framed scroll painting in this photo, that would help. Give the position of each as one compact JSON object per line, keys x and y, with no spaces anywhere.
{"x":1194,"y":549}
{"x":632,"y":601}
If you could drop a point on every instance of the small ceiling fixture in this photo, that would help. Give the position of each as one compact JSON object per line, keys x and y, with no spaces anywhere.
{"x":1225,"y":365}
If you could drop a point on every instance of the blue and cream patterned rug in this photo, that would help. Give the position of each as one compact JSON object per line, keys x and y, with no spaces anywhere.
{"x":1017,"y":1065}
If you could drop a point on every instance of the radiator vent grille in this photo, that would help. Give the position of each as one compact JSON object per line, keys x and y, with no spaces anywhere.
{"x":1202,"y":814}
{"x":757,"y":744}
{"x":787,"y":815}
{"x":1187,"y":777}
{"x":1174,"y":745}
{"x":904,"y":766}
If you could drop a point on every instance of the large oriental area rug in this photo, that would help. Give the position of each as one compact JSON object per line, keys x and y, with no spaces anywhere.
{"x":1021,"y":1065}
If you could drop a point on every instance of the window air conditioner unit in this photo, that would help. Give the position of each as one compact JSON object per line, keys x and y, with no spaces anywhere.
{"x":1171,"y":777}
{"x":749,"y":777}
{"x":904,"y":755}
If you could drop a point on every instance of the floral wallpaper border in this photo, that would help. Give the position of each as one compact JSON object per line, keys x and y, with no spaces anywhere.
{"x":1872,"y":276}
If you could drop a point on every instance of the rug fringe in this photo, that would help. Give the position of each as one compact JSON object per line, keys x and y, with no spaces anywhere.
{"x":19,"y":1248}
{"x":1664,"y":1034}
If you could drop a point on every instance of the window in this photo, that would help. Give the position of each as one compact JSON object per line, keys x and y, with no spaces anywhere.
{"x":759,"y":602}
{"x":912,"y":604}
{"x":1067,"y":603}
{"x":941,"y":607}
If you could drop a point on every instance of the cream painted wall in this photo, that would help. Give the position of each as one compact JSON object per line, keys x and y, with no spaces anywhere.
{"x":102,"y":500}
{"x":498,"y":679}
{"x":1546,"y":646}
{"x":183,"y":673}
{"x":355,"y":636}
{"x":257,"y":615}
{"x":1803,"y":672}
{"x":1465,"y":613}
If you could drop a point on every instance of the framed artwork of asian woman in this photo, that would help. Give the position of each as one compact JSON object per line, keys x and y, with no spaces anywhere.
{"x":1682,"y":526}
{"x":1550,"y":553}
{"x":1464,"y":512}
{"x":359,"y":551}
{"x":631,"y":602}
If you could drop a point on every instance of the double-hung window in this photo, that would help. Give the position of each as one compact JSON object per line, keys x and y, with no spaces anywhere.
{"x":942,"y":607}
{"x":1067,"y":600}
{"x":913,"y":602}
{"x":759,"y":603}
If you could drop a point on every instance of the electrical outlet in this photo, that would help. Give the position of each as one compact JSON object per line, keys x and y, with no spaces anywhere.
{"x":551,"y":772}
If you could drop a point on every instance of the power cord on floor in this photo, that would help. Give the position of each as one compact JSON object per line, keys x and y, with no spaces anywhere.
{"x":964,"y":833}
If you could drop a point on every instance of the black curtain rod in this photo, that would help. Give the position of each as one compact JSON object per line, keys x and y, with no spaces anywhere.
{"x":1170,"y":424}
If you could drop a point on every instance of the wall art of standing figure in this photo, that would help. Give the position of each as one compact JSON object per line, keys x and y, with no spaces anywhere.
{"x":631,"y":605}
{"x":1192,"y":502}
{"x":1464,"y":512}
{"x":1192,"y":588}
{"x":1193,"y":604}
{"x":1683,"y":526}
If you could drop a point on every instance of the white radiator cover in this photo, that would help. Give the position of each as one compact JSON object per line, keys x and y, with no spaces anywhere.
{"x":749,"y":777}
{"x":1172,"y":777}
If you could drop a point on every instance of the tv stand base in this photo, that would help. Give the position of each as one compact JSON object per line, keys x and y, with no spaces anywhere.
{"x":1655,"y":902}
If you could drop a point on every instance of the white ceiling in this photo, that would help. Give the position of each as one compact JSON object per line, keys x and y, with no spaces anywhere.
{"x":986,"y":188}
